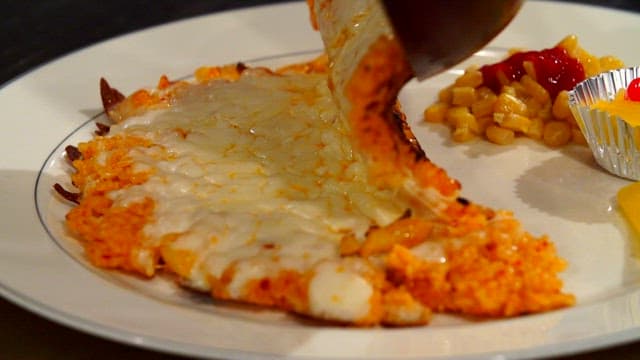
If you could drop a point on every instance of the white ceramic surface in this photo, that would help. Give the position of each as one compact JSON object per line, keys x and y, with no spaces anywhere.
{"x":562,"y":193}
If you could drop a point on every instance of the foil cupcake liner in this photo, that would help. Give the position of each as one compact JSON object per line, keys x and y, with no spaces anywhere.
{"x":615,"y":144}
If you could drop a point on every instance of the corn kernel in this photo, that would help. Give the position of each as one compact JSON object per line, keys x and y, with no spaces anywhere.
{"x":502,"y":78}
{"x":530,"y":69}
{"x":484,"y":92}
{"x":465,"y":127}
{"x":556,"y":133}
{"x":512,"y":121}
{"x":610,"y":63}
{"x":536,"y":128}
{"x":545,"y":111}
{"x":458,"y":114}
{"x":508,"y":89}
{"x":560,"y":107}
{"x":444,"y":95}
{"x":569,"y":43}
{"x":534,"y":89}
{"x":463,"y":95}
{"x":462,"y":135}
{"x":484,"y":106}
{"x":577,"y":137}
{"x":468,"y":122}
{"x":484,"y":122}
{"x":472,"y":77}
{"x":590,"y":63}
{"x":507,"y":103}
{"x":533,"y":106}
{"x":499,"y":135}
{"x":436,"y":112}
{"x":520,"y":91}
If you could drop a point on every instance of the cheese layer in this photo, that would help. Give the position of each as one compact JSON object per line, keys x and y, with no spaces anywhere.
{"x":257,"y":176}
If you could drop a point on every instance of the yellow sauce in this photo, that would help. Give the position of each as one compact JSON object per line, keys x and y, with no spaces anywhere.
{"x":627,"y":110}
{"x":629,"y":201}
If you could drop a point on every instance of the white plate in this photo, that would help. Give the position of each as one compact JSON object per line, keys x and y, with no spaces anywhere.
{"x":558,"y":192}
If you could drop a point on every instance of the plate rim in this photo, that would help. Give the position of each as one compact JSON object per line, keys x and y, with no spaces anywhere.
{"x":101,"y":330}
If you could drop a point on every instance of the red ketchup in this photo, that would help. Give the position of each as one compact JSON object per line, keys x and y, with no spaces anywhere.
{"x":555,"y":70}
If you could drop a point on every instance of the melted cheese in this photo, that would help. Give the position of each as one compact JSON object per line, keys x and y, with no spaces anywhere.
{"x":259,"y":176}
{"x":336,"y":293}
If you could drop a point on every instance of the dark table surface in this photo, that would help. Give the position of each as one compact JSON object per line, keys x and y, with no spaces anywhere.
{"x":35,"y":32}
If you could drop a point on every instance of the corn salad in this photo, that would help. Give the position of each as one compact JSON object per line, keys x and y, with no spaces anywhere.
{"x":520,"y":107}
